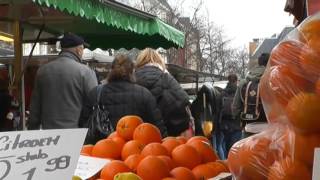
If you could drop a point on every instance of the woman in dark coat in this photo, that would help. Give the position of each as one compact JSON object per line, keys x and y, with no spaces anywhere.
{"x":172,"y":100}
{"x":121,"y":96}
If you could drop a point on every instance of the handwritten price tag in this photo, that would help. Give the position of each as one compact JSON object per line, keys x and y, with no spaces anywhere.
{"x":39,"y":155}
{"x":89,"y":166}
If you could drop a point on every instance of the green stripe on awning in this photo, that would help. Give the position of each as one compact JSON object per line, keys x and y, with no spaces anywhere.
{"x":146,"y":30}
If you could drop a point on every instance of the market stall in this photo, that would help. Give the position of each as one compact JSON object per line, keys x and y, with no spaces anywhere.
{"x":104,"y":24}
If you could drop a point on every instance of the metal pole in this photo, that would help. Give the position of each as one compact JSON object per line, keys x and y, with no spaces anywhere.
{"x":18,"y":66}
{"x":197,"y":83}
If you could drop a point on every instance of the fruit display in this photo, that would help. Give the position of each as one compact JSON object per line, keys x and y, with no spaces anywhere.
{"x":137,"y":151}
{"x":290,"y":95}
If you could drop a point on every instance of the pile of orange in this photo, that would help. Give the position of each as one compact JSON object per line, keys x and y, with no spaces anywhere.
{"x":139,"y":148}
{"x":290,"y":92}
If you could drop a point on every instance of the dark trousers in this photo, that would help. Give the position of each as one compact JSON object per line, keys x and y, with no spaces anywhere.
{"x":225,"y":140}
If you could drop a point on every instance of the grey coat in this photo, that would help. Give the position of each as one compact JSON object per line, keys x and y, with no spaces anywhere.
{"x":59,"y":91}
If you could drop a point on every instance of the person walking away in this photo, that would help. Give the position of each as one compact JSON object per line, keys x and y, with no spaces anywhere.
{"x":247,"y":104}
{"x":229,"y":125}
{"x":121,"y":96}
{"x":172,"y":100}
{"x":60,"y":88}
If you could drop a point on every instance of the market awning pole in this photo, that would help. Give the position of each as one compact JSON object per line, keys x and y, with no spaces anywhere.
{"x":18,"y":65}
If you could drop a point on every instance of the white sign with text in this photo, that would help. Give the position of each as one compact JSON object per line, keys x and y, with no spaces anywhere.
{"x":316,"y":164}
{"x":41,"y":154}
{"x":89,"y":166}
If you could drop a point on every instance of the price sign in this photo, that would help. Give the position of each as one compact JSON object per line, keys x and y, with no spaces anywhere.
{"x":39,"y":155}
{"x":89,"y":166}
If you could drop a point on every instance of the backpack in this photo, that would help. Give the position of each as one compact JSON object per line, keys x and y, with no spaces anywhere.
{"x":252,"y":106}
{"x":169,"y":100}
{"x":99,"y":124}
{"x":174,"y":107}
{"x":226,"y":119}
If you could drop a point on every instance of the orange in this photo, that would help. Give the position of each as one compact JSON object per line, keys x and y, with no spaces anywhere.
{"x":86,"y":149}
{"x":218,"y":167}
{"x":170,"y":144}
{"x":169,"y":178}
{"x":304,"y":147}
{"x":133,"y":161}
{"x":198,"y":138}
{"x":152,"y":168}
{"x":113,"y":134}
{"x":288,"y":54}
{"x":147,"y":133}
{"x":204,"y":171}
{"x":106,"y":148}
{"x":310,"y":64}
{"x":126,"y":126}
{"x":182,"y":139}
{"x":119,"y":140}
{"x":284,"y":83}
{"x":112,"y":169}
{"x":205,"y":150}
{"x":310,"y":33}
{"x":182,"y":173}
{"x":186,"y":156}
{"x":287,"y":169}
{"x":168,"y":161}
{"x":267,"y":98}
{"x":251,"y":158}
{"x":130,"y":148}
{"x":155,"y":149}
{"x":302,"y":112}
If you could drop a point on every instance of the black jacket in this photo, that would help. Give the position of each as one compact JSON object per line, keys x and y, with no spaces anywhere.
{"x":156,"y":81}
{"x":227,"y":121}
{"x":122,"y":98}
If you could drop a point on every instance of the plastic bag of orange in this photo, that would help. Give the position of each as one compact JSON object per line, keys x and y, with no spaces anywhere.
{"x":290,"y":93}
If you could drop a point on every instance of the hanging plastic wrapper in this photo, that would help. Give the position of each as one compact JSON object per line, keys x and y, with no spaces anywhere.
{"x":290,"y":93}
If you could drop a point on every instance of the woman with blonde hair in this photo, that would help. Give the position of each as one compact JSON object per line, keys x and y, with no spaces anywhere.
{"x":172,"y":100}
{"x":122,"y":96}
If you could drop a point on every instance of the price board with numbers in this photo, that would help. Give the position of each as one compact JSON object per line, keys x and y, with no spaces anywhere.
{"x":40,"y":155}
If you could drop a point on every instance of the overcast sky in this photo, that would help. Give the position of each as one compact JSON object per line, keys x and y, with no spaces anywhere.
{"x":244,"y":20}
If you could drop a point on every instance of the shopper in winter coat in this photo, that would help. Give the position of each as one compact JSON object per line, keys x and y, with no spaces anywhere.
{"x":172,"y":100}
{"x":60,"y":88}
{"x":121,"y":97}
{"x":253,"y":76}
{"x":229,"y":126}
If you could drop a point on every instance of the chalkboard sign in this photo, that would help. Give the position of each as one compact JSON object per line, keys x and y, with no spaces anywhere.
{"x":40,"y":155}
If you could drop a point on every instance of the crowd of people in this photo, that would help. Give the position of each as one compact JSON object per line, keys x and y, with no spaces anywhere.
{"x":66,"y":94}
{"x":66,"y":91}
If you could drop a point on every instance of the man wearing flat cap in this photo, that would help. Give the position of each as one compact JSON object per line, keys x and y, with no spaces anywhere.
{"x":60,"y":88}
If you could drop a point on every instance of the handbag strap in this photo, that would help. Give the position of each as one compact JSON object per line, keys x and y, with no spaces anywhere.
{"x":99,"y":90}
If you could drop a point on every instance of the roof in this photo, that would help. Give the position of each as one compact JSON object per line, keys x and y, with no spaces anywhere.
{"x":269,"y":43}
{"x":104,"y":24}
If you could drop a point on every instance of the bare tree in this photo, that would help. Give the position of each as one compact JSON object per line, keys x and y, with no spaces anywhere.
{"x":207,"y":49}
